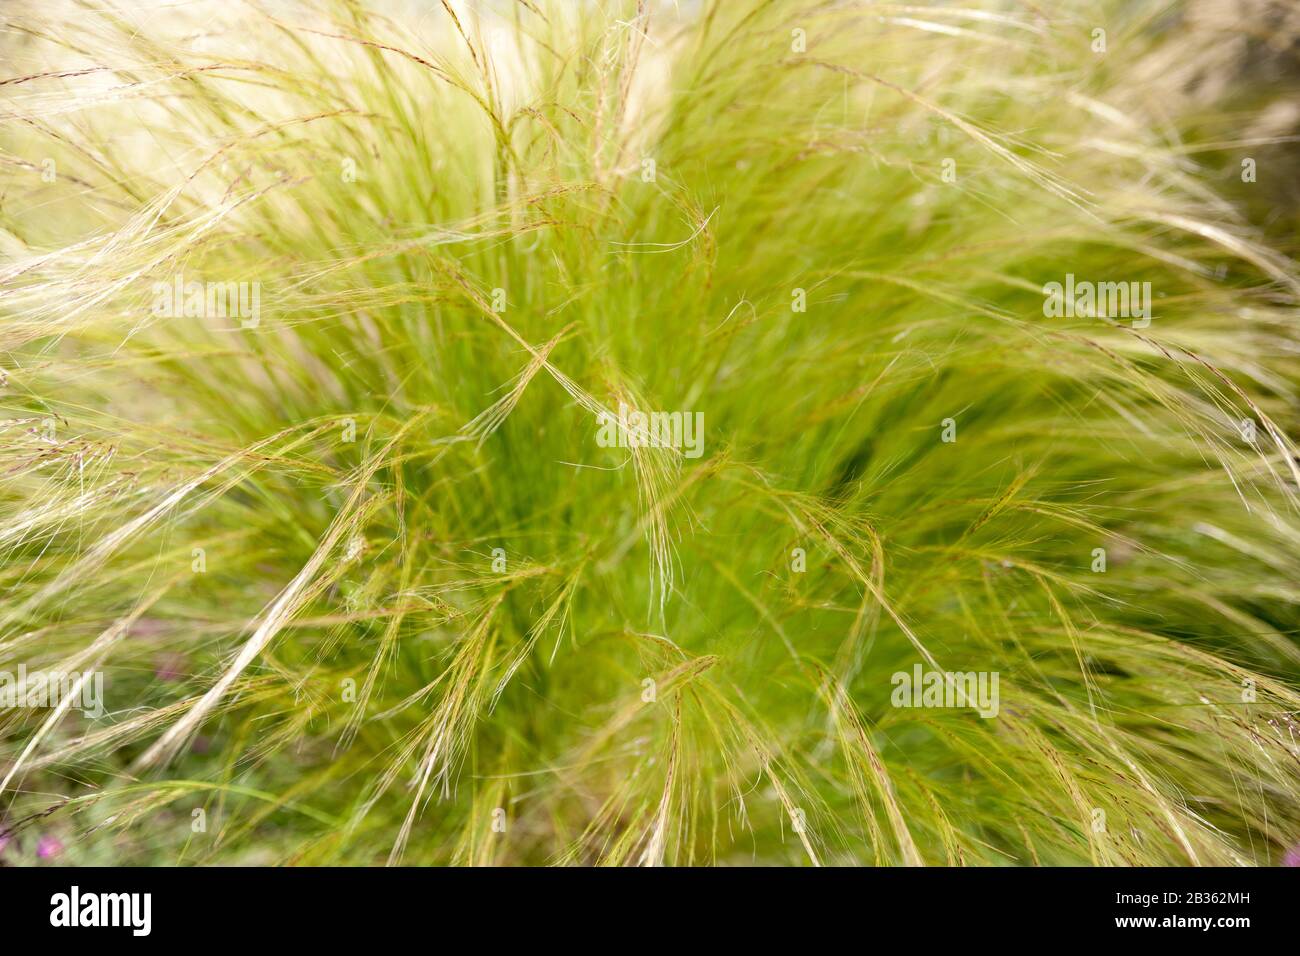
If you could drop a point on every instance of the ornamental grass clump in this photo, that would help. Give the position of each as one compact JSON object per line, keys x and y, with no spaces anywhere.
{"x":649,"y":433}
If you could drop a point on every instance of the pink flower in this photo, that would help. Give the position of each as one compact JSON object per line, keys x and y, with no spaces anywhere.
{"x":1292,"y":856}
{"x":171,"y":667}
{"x":48,"y":847}
{"x":148,"y":627}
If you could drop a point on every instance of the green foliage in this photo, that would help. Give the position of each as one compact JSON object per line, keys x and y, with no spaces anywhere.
{"x":472,"y":233}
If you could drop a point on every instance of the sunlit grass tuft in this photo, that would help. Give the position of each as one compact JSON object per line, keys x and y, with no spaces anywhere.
{"x":362,"y":583}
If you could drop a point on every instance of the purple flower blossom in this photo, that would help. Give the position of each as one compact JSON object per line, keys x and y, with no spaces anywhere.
{"x":171,"y":667}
